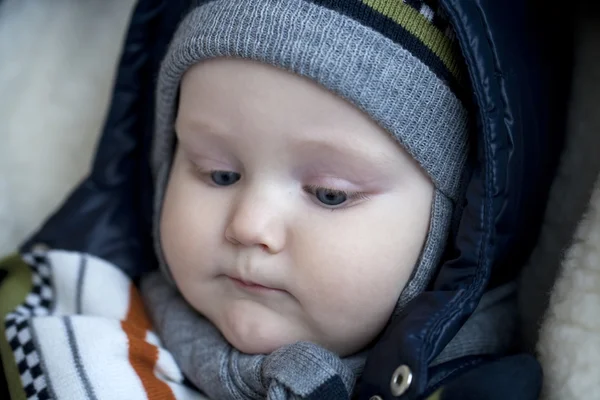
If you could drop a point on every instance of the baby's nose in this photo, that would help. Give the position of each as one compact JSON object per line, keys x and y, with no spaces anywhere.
{"x":257,"y":219}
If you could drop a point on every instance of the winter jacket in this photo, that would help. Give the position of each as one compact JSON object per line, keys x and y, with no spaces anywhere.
{"x":518,"y":63}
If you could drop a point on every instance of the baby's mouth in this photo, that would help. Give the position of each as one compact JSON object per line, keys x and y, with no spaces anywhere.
{"x":252,"y":286}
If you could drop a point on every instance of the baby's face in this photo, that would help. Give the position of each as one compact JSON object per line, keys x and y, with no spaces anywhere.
{"x":289,"y":215}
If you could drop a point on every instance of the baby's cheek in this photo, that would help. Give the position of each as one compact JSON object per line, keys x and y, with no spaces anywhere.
{"x":369,"y":284}
{"x":352,"y":312}
{"x":350,"y":290}
{"x":372,"y":299}
{"x":173,"y":244}
{"x":187,"y":229}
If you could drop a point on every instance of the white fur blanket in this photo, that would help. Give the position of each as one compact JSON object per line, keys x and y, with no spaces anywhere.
{"x":569,"y":245}
{"x":58,"y":61}
{"x":569,"y":345}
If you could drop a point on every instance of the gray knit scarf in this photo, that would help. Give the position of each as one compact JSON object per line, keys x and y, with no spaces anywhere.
{"x":302,"y":370}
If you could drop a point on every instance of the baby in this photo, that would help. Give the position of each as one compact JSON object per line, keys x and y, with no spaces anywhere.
{"x":308,"y":159}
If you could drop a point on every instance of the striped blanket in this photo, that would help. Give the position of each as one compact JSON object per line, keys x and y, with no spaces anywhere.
{"x":75,"y":328}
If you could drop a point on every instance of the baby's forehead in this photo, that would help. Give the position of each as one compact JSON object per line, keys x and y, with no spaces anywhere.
{"x":232,"y":100}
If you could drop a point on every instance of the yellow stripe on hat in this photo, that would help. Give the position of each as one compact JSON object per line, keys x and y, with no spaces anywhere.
{"x":421,"y":28}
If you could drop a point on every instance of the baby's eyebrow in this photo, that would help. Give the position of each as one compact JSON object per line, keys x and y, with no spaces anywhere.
{"x":186,"y":126}
{"x":345,"y":151}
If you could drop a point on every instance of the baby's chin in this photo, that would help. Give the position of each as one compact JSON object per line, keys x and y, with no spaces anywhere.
{"x":253,"y":345}
{"x":253,"y":329}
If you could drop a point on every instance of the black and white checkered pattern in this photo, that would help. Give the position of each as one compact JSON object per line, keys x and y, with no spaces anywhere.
{"x":18,"y":330}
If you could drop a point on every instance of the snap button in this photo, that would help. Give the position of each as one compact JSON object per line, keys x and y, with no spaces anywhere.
{"x":376,"y":398}
{"x":401,"y":380}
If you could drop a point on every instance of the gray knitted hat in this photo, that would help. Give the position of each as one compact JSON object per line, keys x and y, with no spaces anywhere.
{"x":395,"y":60}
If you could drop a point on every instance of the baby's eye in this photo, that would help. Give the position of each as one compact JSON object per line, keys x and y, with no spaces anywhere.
{"x":328,"y":197}
{"x":331,"y":197}
{"x":224,"y":178}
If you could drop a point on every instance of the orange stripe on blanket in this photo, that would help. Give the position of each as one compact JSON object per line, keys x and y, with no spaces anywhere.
{"x":143,"y":355}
